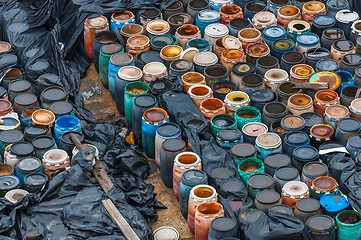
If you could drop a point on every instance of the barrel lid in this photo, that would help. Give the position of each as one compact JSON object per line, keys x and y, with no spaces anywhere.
{"x":268,"y":196}
{"x":19,"y":85}
{"x":269,"y":140}
{"x":337,"y":111}
{"x":343,"y":45}
{"x":25,"y":99}
{"x":66,"y":137}
{"x":161,"y":41}
{"x":328,"y":65}
{"x":198,"y":43}
{"x":55,"y":157}
{"x":150,"y":56}
{"x":286,"y":173}
{"x":9,"y":122}
{"x":54,"y":93}
{"x":324,"y":20}
{"x":4,"y":47}
{"x":223,"y":224}
{"x":111,"y":48}
{"x":216,"y":30}
{"x":43,"y":142}
{"x":243,"y":68}
{"x":173,"y":145}
{"x":320,"y":223}
{"x":276,"y":160}
{"x":262,"y":96}
{"x":11,"y":136}
{"x":231,"y":42}
{"x":208,"y":15}
{"x":35,"y":179}
{"x":295,"y":188}
{"x":205,"y":58}
{"x":4,"y":105}
{"x":274,"y":32}
{"x":67,"y":121}
{"x":222,"y":173}
{"x":308,"y":205}
{"x":229,"y":134}
{"x":352,"y":59}
{"x":292,"y":122}
{"x":9,"y":182}
{"x":355,"y":141}
{"x":254,"y":129}
{"x":334,"y":203}
{"x":166,"y":233}
{"x":349,"y":124}
{"x":232,"y":186}
{"x":130,"y":73}
{"x":43,"y":117}
{"x":189,"y":53}
{"x":121,"y":59}
{"x":96,"y":22}
{"x":145,"y":101}
{"x":181,"y":65}
{"x":346,"y":16}
{"x":296,"y":137}
{"x":243,"y":150}
{"x":22,"y":148}
{"x":337,"y":4}
{"x":168,"y":130}
{"x":61,"y":108}
{"x":28,"y":164}
{"x":194,"y":177}
{"x":314,"y":169}
{"x":312,"y":118}
{"x":260,"y":181}
{"x":150,"y":13}
{"x":282,"y":209}
{"x":35,"y":130}
{"x":308,"y":38}
{"x":305,"y":153}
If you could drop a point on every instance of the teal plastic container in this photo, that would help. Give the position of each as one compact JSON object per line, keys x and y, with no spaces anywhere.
{"x":131,"y":91}
{"x":222,"y":121}
{"x":104,"y":57}
{"x":348,"y":225}
{"x":250,"y":167}
{"x":247,"y":114}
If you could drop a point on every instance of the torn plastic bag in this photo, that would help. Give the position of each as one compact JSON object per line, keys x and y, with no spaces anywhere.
{"x":353,"y":185}
{"x":340,"y":165}
{"x":256,"y":225}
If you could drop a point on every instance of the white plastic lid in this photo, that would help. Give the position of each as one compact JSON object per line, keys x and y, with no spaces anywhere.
{"x":205,"y":59}
{"x":346,"y":16}
{"x":130,"y":73}
{"x":216,"y":30}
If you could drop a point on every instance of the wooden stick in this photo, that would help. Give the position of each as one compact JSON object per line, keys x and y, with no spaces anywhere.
{"x":307,"y":85}
{"x":106,"y":184}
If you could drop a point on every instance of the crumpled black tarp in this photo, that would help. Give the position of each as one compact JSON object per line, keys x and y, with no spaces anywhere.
{"x":71,"y":203}
{"x":275,"y":225}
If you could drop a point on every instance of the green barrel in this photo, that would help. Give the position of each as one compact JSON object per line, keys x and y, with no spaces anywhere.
{"x":222,"y":121}
{"x":247,"y":114}
{"x":133,"y":90}
{"x":348,"y":225}
{"x":250,"y":167}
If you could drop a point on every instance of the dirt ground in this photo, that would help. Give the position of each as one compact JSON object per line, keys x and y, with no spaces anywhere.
{"x":99,"y":102}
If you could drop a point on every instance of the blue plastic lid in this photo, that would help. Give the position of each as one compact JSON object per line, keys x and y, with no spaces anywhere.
{"x":337,"y":4}
{"x":327,"y":65}
{"x":28,"y":165}
{"x":324,"y":21}
{"x":208,"y":15}
{"x":274,"y":32}
{"x":297,"y":137}
{"x":308,"y":39}
{"x":334,"y":203}
{"x":198,"y":43}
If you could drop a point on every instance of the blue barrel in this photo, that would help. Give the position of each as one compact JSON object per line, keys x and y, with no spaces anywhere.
{"x":273,"y":33}
{"x":251,"y":8}
{"x":347,"y":79}
{"x":66,"y":123}
{"x":333,"y":6}
{"x":273,"y":6}
{"x":26,"y":166}
{"x":116,"y":62}
{"x":206,"y":17}
{"x":119,"y":20}
{"x":151,"y":120}
{"x":282,"y":46}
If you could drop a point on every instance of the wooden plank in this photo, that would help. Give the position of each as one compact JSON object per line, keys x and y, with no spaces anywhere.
{"x":106,"y":184}
{"x":119,"y":220}
{"x":307,"y":85}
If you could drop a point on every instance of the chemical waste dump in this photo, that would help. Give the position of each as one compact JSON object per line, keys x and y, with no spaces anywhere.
{"x":243,"y":116}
